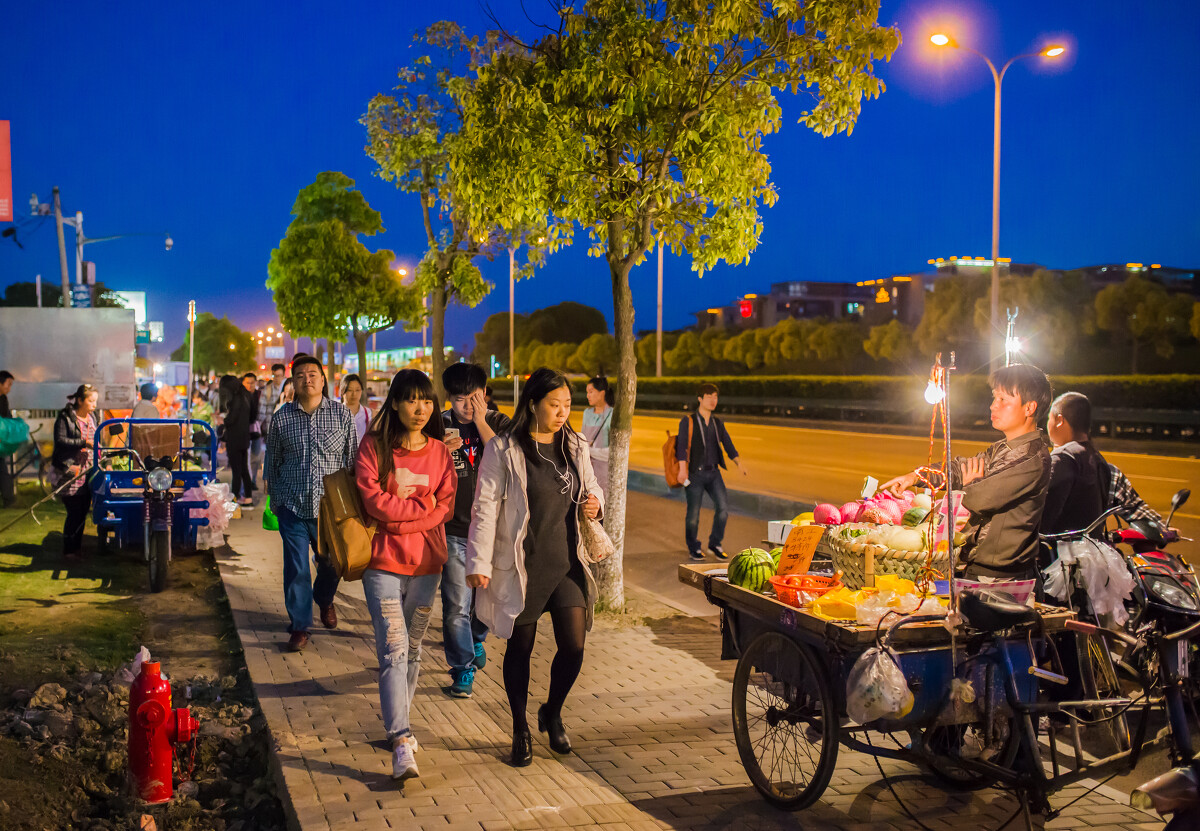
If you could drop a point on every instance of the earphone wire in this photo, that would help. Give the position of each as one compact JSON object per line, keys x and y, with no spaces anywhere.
{"x":564,"y":476}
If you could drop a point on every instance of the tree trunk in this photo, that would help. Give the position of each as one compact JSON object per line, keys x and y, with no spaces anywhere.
{"x":437,"y":338}
{"x":611,"y":577}
{"x":360,"y":344}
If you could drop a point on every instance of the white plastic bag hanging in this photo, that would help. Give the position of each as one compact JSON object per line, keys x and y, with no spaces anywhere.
{"x":1103,"y":575}
{"x":876,"y":687}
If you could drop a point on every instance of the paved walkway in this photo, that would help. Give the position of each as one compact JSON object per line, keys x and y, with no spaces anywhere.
{"x":649,"y":719}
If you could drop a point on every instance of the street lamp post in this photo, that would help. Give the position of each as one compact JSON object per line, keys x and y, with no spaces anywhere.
{"x":995,"y":350}
{"x":81,"y":240}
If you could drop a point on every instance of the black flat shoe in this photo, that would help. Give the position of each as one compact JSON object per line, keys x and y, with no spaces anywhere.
{"x":552,"y":726}
{"x":522,"y":749}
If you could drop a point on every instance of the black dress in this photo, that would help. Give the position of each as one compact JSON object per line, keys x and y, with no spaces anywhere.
{"x":555,"y":575}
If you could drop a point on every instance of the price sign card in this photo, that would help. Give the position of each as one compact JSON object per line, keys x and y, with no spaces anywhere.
{"x":799,"y":549}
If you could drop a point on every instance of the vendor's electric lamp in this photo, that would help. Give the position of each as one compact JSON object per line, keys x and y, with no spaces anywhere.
{"x":934,"y":392}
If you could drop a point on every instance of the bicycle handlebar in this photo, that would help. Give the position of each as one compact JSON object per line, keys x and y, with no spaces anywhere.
{"x":1096,"y":523}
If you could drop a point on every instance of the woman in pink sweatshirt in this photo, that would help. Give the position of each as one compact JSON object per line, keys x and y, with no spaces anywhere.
{"x":407,"y":480}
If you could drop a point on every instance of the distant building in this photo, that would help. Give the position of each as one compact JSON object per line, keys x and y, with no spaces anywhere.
{"x":794,"y":299}
{"x":902,"y":296}
{"x":391,"y":360}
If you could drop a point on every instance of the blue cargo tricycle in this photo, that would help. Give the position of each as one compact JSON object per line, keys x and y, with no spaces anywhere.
{"x":138,"y":483}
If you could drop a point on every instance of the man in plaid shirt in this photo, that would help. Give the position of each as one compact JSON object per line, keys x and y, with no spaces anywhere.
{"x":310,"y":438}
{"x":268,"y":397}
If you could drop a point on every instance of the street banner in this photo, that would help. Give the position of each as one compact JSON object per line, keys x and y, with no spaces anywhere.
{"x":6,"y":203}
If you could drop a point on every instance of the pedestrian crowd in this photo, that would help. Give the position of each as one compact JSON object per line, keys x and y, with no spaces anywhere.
{"x":499,"y":514}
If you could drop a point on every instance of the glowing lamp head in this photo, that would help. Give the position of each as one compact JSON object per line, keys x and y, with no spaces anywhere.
{"x":1054,"y":51}
{"x":940,"y":39}
{"x":934,"y":393}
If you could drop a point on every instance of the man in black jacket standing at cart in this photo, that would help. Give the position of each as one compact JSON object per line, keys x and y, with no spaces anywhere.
{"x":698,"y":450}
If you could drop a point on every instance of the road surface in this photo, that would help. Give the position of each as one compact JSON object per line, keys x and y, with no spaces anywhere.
{"x":825,"y":465}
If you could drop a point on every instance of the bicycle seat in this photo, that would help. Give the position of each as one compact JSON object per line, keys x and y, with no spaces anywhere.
{"x":989,"y":610}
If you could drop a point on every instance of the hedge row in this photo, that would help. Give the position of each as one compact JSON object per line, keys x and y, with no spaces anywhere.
{"x":1154,"y":392}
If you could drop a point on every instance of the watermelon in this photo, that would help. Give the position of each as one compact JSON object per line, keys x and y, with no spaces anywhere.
{"x":751,"y":568}
{"x":915,"y":516}
{"x":776,"y":553}
{"x":826,"y":514}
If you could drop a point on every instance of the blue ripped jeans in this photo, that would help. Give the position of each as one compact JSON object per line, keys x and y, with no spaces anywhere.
{"x":400,"y":606}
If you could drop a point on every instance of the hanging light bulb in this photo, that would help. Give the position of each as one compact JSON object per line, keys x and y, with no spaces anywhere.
{"x":934,"y":392}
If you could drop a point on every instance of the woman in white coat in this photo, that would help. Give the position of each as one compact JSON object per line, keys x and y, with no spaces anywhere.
{"x":524,"y":551}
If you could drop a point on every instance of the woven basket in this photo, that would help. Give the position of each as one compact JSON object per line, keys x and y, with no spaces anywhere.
{"x":859,"y":562}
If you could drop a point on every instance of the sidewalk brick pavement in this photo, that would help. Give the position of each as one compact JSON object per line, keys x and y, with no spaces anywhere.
{"x":649,"y":719}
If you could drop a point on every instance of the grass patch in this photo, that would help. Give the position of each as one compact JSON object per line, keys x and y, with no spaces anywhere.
{"x":57,"y":619}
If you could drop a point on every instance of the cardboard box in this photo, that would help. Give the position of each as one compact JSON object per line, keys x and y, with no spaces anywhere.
{"x":778,"y":530}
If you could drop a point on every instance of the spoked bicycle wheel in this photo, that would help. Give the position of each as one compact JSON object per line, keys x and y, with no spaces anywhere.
{"x":785,"y":721}
{"x":1100,"y":681}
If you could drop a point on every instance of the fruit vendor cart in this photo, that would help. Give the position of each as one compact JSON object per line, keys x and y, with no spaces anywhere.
{"x":790,"y":691}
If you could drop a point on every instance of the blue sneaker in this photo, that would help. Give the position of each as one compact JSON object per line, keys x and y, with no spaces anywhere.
{"x":480,"y":659}
{"x":464,"y":682}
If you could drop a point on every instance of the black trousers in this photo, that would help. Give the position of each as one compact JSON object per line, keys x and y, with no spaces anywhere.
{"x":239,"y":463}
{"x":8,"y":490}
{"x":77,"y":504}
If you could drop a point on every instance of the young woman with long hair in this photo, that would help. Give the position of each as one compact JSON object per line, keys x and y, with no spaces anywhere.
{"x":406,"y":478}
{"x":352,"y":393}
{"x":523,"y":551}
{"x":74,"y":431}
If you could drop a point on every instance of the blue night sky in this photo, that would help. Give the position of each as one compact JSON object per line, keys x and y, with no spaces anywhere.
{"x":205,"y":124}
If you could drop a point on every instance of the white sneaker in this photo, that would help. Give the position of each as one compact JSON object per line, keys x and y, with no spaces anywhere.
{"x":404,"y":762}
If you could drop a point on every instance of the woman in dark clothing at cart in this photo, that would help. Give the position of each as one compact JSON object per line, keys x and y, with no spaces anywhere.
{"x":74,"y":430}
{"x":237,"y":409}
{"x":524,"y":555}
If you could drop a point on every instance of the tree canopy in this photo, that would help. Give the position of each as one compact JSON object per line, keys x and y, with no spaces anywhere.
{"x":1144,"y":313}
{"x":643,"y":122}
{"x":326,"y":283}
{"x":24,"y":293}
{"x":567,"y":322}
{"x":213,"y":338}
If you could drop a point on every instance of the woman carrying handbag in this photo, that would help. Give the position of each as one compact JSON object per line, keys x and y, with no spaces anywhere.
{"x":536,"y":500}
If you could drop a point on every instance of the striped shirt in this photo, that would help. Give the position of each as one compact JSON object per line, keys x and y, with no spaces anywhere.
{"x":1132,"y":506}
{"x":302,"y":449}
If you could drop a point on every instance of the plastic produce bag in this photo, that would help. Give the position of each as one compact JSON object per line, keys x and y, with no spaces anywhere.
{"x":270,"y":521}
{"x":221,"y":506}
{"x":14,"y":432}
{"x":876,"y":687}
{"x":1102,"y":573}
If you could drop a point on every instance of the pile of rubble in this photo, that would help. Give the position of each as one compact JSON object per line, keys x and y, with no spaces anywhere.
{"x":85,"y":725}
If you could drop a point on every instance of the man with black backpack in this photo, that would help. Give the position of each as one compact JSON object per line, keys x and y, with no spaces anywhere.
{"x":700,"y":451}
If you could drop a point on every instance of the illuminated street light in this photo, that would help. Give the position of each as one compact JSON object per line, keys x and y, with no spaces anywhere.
{"x":933,"y":392}
{"x":995,"y":350}
{"x":271,"y":329}
{"x":232,"y":347}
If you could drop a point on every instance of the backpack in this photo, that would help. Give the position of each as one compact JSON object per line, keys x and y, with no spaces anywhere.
{"x":344,"y":533}
{"x":670,"y":463}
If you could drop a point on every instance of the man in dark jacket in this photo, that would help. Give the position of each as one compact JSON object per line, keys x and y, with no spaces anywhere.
{"x":1004,"y":487}
{"x":698,"y":450}
{"x":476,"y":425}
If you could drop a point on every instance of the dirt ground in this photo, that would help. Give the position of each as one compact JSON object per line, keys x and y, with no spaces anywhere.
{"x":74,"y":625}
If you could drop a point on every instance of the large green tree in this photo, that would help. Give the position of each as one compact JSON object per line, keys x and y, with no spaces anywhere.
{"x":214,"y":336}
{"x":892,"y":341}
{"x":1054,"y":311}
{"x":640,"y":121}
{"x":409,"y":134}
{"x":25,"y":294}
{"x":326,"y":283}
{"x":1145,"y":314}
{"x":567,"y":322}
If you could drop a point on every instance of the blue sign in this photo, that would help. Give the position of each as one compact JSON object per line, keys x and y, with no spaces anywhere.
{"x":81,"y":297}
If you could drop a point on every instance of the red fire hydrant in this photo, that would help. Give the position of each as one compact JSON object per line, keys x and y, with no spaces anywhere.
{"x":153,"y":728}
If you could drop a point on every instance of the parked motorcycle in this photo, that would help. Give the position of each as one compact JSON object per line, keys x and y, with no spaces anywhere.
{"x":1175,"y":793}
{"x":1165,"y":583}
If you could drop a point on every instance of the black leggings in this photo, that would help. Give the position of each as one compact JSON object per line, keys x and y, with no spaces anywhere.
{"x":239,"y":462}
{"x":569,"y":633}
{"x":77,"y":505}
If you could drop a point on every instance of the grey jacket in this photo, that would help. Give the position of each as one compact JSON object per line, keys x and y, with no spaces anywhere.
{"x":1006,"y":507}
{"x":499,"y":522}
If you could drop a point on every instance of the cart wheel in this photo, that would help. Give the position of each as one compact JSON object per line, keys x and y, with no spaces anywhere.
{"x":160,"y":557}
{"x":945,"y":744}
{"x":1099,"y":677}
{"x":785,"y":720}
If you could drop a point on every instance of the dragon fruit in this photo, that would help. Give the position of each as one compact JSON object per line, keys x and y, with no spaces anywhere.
{"x":826,"y":514}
